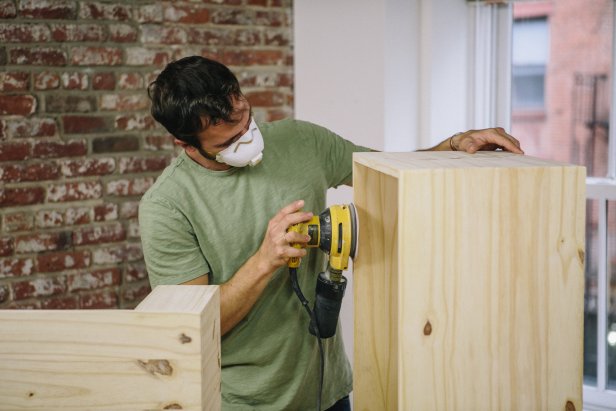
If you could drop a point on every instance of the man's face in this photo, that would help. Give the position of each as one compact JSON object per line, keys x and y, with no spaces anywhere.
{"x":217,"y":137}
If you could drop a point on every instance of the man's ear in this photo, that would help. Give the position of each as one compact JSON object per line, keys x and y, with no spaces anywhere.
{"x":183,"y":144}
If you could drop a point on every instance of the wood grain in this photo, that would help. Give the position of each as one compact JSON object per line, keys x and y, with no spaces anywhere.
{"x":166,"y":353}
{"x":490,"y":257}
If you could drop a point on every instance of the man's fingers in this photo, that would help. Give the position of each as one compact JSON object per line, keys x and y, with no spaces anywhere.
{"x":295,"y":237}
{"x":510,"y":138}
{"x":295,"y":218}
{"x":286,"y":210}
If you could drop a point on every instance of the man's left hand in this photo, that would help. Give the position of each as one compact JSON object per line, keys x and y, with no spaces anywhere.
{"x":487,"y":139}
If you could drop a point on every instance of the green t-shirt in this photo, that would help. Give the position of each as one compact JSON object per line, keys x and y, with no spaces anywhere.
{"x":195,"y":221}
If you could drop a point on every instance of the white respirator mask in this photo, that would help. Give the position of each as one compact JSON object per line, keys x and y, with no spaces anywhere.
{"x":246,"y":151}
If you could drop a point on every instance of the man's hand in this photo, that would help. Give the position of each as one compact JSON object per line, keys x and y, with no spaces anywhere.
{"x":487,"y":139}
{"x":276,"y":248}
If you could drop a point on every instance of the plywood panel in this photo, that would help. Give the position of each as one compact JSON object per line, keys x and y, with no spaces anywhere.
{"x":160,"y":355}
{"x":490,"y":281}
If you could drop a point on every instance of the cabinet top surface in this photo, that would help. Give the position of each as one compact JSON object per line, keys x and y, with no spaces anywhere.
{"x":396,"y":163}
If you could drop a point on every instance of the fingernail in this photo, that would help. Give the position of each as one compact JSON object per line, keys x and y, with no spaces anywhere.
{"x":307,"y":238}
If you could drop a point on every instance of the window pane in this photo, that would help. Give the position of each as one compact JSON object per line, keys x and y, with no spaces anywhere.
{"x":562,"y":52}
{"x":590,"y":294}
{"x":611,"y":301}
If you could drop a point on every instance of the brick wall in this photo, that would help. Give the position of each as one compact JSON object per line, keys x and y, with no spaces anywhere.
{"x":77,"y":144}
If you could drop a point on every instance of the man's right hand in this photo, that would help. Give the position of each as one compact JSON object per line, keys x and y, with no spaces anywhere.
{"x":276,"y":248}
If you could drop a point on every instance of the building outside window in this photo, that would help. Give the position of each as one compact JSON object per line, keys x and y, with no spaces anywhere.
{"x":562,"y":92}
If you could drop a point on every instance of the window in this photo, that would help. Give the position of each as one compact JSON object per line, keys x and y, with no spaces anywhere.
{"x":561,"y":94}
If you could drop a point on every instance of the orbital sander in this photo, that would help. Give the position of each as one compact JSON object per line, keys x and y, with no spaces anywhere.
{"x":335,"y":232}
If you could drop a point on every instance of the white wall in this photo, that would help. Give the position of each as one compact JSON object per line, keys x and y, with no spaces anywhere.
{"x":387,"y":74}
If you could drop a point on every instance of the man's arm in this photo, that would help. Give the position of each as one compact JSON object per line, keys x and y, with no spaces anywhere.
{"x":241,"y":292}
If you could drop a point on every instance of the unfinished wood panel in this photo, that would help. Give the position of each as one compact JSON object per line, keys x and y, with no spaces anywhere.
{"x":163,"y":355}
{"x":488,"y":286}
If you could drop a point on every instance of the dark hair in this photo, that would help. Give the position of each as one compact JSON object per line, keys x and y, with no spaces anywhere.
{"x":189,"y":90}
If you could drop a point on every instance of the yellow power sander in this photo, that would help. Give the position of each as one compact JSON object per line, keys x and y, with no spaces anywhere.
{"x":335,"y":232}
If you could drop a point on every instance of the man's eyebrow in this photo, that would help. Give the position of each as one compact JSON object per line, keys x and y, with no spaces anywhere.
{"x":235,"y":137}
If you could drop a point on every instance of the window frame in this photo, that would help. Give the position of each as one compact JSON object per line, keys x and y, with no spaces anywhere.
{"x":489,"y":97}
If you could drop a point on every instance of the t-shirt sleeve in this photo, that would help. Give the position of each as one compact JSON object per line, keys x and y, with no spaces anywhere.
{"x":334,"y":152}
{"x":170,"y":248}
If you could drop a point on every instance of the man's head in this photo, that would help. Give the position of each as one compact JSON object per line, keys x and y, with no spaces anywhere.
{"x":193,"y":93}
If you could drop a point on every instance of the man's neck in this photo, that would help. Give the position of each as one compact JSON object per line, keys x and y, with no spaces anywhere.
{"x":204,"y":162}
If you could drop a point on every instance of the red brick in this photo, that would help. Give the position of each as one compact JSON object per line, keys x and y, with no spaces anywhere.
{"x":186,"y":13}
{"x":115,"y":144}
{"x":14,"y":81}
{"x":7,"y":246}
{"x":122,"y":33}
{"x":13,"y":173}
{"x":140,"y":56}
{"x":157,"y":143}
{"x":24,"y":33}
{"x":29,"y":127}
{"x":48,"y":219}
{"x":4,"y":59}
{"x":86,"y":124}
{"x":21,"y":105}
{"x":135,"y":272}
{"x":16,"y":267}
{"x":103,"y":81}
{"x":48,"y":9}
{"x":266,"y":98}
{"x":39,"y":287}
{"x":135,"y":122}
{"x":96,"y":56}
{"x":78,"y":216}
{"x":75,"y":81}
{"x":157,"y":34}
{"x":116,"y":102}
{"x":106,"y":212}
{"x":149,"y":13}
{"x":100,"y":300}
{"x":36,"y":243}
{"x":130,"y":187}
{"x":15,"y":151}
{"x":129,"y":209}
{"x":141,"y":164}
{"x":93,"y":280}
{"x":223,"y":37}
{"x":104,"y":11}
{"x":7,"y":9}
{"x":235,"y":16}
{"x":19,"y":221}
{"x":4,"y":291}
{"x":87,"y":167}
{"x":252,"y":58}
{"x":60,"y":303}
{"x":80,"y":191}
{"x":277,"y":38}
{"x":78,"y":32}
{"x":130,"y":81}
{"x":107,"y":255}
{"x":54,"y":149}
{"x":132,"y":231}
{"x":46,"y":81}
{"x":134,"y":252}
{"x":272,"y":18}
{"x":43,"y":56}
{"x":134,"y":293}
{"x":21,"y":196}
{"x":278,"y":114}
{"x":63,"y":261}
{"x":99,"y":234}
{"x":62,"y":103}
{"x":262,"y":3}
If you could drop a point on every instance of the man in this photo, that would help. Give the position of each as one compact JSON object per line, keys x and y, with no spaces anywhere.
{"x":219,"y":214}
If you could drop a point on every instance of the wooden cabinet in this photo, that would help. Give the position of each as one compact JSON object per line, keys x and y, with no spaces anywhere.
{"x":469,"y":282}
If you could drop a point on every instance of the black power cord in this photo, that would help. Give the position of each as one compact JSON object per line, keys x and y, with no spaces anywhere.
{"x":314,"y":328}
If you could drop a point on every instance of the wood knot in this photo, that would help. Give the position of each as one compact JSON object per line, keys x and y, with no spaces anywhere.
{"x":582,"y":256}
{"x":184,"y":339}
{"x":174,"y":406}
{"x":154,"y":367}
{"x":569,"y":406}
{"x":427,"y":328}
{"x":30,"y":394}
